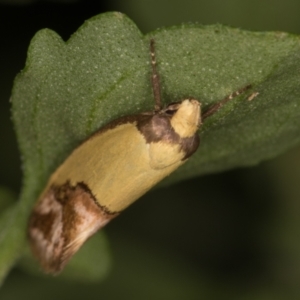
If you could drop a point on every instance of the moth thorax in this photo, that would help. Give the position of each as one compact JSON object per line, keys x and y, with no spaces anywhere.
{"x":187,"y":118}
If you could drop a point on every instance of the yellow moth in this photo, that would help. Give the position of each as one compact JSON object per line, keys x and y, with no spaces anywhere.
{"x":109,"y":171}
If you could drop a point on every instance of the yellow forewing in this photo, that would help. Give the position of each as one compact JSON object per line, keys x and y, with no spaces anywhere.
{"x":118,"y":166}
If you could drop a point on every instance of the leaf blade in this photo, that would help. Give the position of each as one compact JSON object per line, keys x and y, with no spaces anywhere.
{"x":69,"y":89}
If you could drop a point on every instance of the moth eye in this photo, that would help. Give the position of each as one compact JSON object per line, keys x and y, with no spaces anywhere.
{"x":170,"y":112}
{"x":172,"y":108}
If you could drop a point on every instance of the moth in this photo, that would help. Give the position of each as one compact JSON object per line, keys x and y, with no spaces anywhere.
{"x":110,"y":170}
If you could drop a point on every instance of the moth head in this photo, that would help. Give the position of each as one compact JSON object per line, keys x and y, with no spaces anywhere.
{"x":185,"y":117}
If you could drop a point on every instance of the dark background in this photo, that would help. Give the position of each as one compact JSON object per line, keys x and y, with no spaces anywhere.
{"x":233,"y":235}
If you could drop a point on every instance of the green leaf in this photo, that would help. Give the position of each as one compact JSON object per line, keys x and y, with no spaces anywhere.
{"x":70,"y":89}
{"x":7,"y":198}
{"x":11,"y":236}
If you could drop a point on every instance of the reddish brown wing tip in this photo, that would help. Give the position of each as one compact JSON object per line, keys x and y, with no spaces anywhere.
{"x":61,"y":222}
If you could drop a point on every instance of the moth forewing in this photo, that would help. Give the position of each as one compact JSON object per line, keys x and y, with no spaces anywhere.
{"x":105,"y":174}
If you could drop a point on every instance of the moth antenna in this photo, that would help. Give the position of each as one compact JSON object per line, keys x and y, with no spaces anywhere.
{"x":215,"y":107}
{"x":155,"y":79}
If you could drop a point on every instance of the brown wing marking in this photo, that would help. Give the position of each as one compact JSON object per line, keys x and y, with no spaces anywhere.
{"x":63,"y":219}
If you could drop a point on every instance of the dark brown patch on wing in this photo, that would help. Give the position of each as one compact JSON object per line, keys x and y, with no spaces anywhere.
{"x":158,"y":128}
{"x":61,"y":222}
